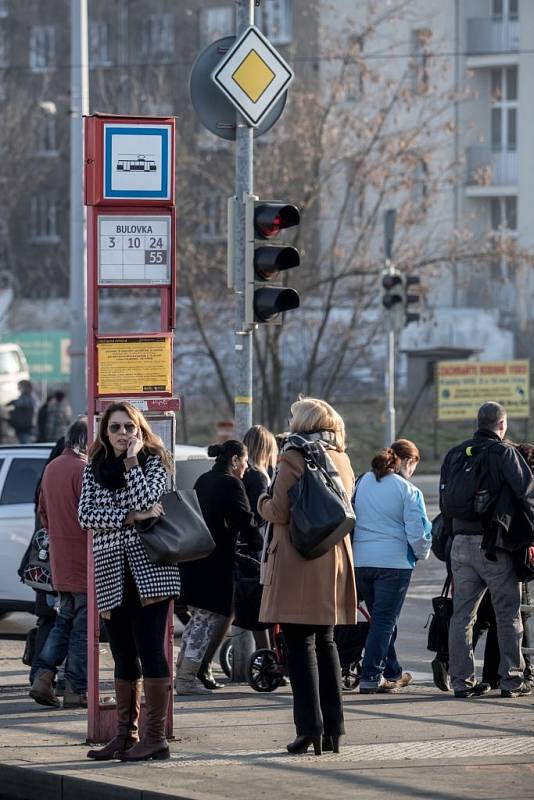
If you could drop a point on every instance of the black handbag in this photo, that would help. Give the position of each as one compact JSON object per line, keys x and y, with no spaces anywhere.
{"x":441,"y":538}
{"x":34,"y":569}
{"x":438,"y":622}
{"x":247,"y":593}
{"x":180,"y":535}
{"x":320,"y":511}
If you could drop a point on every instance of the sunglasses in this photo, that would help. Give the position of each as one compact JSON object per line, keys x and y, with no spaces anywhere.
{"x":129,"y":427}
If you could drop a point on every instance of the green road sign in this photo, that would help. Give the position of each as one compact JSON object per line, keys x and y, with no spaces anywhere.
{"x":47,"y":353}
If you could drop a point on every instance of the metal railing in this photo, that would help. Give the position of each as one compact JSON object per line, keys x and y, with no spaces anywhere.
{"x":491,"y":168}
{"x":486,"y":36}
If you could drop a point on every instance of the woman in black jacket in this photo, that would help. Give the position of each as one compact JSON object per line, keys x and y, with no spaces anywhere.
{"x":262,"y":452}
{"x":207,"y":585}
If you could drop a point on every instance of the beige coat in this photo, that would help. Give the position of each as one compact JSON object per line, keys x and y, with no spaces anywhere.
{"x":316,"y":592}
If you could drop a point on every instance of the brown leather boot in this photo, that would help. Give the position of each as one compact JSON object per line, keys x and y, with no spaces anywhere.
{"x":128,"y":694}
{"x":153,"y":743}
{"x":42,"y":689}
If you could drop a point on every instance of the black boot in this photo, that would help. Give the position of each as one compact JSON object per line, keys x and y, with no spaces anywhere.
{"x":301,"y":744}
{"x":331,"y":743}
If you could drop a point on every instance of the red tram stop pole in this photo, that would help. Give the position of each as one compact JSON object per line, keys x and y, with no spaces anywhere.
{"x":131,"y":244}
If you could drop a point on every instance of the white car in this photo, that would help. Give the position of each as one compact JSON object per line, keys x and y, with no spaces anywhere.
{"x":20,"y":469}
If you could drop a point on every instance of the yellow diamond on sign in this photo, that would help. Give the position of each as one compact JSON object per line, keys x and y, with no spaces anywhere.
{"x":253,"y":76}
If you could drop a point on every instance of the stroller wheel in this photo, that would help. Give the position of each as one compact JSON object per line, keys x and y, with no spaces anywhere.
{"x":350,"y":677}
{"x":225,"y":657}
{"x":264,"y":672}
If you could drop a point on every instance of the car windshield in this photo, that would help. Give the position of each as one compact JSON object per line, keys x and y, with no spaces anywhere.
{"x":21,"y":481}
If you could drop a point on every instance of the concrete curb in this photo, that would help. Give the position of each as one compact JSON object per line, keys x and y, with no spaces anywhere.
{"x":29,"y":783}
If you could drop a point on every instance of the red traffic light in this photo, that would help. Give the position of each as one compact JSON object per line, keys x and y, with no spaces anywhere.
{"x":390,"y":281}
{"x":271,"y":218}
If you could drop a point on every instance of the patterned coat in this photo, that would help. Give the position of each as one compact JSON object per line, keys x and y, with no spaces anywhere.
{"x":103,"y":511}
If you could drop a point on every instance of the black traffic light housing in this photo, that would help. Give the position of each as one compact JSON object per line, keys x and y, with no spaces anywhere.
{"x":264,"y":263}
{"x":411,"y":299}
{"x":393,"y":289}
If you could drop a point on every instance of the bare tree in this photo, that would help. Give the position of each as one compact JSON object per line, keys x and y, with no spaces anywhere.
{"x":370,"y":135}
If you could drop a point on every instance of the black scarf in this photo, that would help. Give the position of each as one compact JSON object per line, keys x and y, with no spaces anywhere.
{"x":109,"y":470}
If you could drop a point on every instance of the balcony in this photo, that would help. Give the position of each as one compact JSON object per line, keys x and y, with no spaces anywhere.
{"x":488,"y":170}
{"x":492,"y":37}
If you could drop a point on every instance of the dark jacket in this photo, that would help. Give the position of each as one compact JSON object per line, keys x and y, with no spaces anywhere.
{"x":256,"y":484}
{"x":209,"y":583}
{"x":507,"y":468}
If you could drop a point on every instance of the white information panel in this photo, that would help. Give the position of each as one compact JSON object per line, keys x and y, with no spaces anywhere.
{"x":134,"y":250}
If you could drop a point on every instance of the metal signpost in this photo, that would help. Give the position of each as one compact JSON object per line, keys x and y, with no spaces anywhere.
{"x":389,"y":372}
{"x":129,"y":191}
{"x":238,"y":89}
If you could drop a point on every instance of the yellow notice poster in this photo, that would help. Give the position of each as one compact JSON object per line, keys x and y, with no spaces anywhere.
{"x":136,"y":365}
{"x":463,"y":386}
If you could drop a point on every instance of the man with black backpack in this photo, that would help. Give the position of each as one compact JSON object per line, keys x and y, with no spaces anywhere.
{"x":472,"y":476}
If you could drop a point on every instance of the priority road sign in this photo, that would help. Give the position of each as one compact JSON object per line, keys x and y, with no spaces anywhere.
{"x":253,"y":75}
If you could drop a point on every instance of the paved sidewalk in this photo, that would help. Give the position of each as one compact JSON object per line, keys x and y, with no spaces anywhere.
{"x":420,"y":744}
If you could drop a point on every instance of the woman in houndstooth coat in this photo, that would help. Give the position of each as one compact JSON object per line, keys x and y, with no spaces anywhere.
{"x":123,"y":483}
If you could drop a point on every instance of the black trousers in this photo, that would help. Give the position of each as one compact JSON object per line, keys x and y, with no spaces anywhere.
{"x":137,"y":636}
{"x":315,"y":676}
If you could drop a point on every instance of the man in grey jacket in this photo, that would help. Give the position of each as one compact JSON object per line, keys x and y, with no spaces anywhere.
{"x":474,"y":573}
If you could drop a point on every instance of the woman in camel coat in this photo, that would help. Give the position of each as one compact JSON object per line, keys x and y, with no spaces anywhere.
{"x":309,"y":597}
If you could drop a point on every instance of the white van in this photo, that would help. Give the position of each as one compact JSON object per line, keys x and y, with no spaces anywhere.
{"x":13,"y":368}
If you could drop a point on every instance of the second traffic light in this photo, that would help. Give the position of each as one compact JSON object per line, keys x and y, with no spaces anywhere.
{"x":396,"y":297}
{"x":393,"y":289}
{"x":265,"y":296}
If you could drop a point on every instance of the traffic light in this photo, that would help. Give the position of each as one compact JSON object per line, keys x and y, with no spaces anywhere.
{"x":265,"y":297}
{"x":411,"y":299}
{"x":393,"y":289}
{"x":396,"y":297}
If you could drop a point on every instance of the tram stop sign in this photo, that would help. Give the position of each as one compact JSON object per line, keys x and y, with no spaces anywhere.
{"x":253,"y":75}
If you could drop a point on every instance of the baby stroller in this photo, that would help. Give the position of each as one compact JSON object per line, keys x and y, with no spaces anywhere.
{"x":350,"y":641}
{"x":268,"y":667}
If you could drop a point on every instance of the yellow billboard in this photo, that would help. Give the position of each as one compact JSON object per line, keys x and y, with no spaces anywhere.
{"x":463,"y":386}
{"x":134,"y":365}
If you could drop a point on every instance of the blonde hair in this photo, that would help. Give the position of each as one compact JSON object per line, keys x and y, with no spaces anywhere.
{"x":151,"y":442}
{"x":310,"y":415}
{"x":261,"y":445}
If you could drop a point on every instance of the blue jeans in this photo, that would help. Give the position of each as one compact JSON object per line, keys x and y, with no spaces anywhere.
{"x":68,"y":640}
{"x":383,"y":590}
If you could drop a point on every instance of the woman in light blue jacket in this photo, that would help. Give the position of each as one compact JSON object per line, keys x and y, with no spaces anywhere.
{"x":392,"y":532}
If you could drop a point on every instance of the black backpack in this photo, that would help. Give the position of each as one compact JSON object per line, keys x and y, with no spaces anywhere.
{"x":467,"y":494}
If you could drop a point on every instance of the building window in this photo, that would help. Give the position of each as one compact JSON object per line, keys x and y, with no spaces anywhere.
{"x":275,"y":19}
{"x":504,"y":102}
{"x":42,"y":47}
{"x":43,"y":218}
{"x":420,"y":61}
{"x":215,"y":219}
{"x":100,"y":44}
{"x":504,"y":214}
{"x":46,"y":136}
{"x":505,"y":10}
{"x":215,"y":23}
{"x":4,"y":8}
{"x":157,"y":38}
